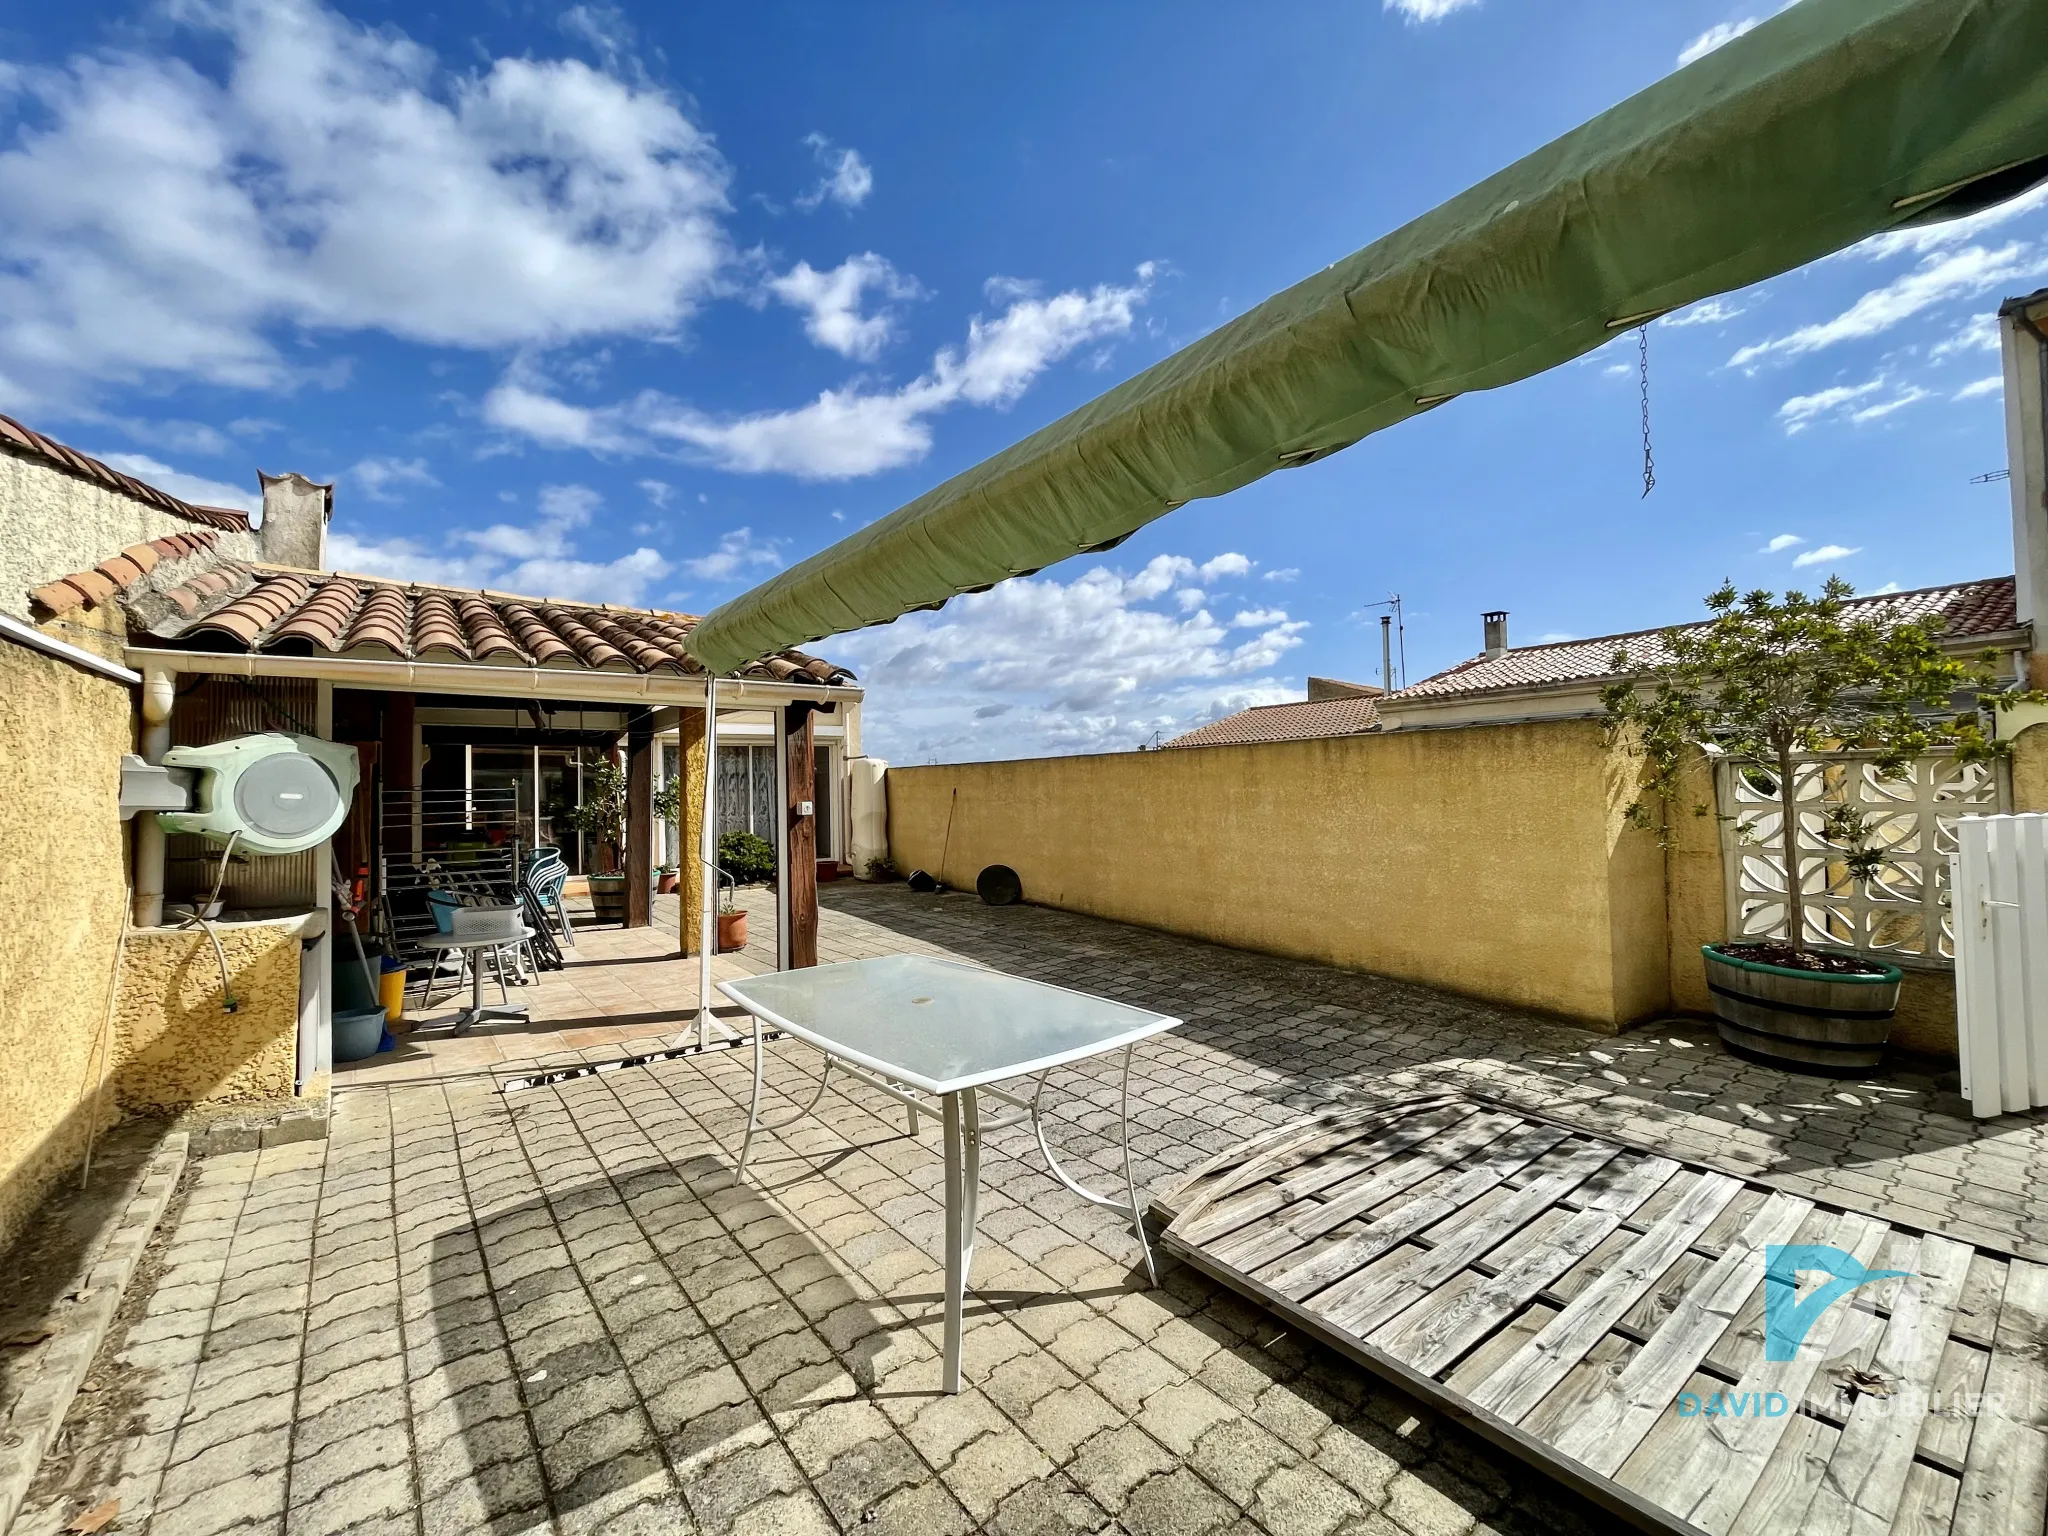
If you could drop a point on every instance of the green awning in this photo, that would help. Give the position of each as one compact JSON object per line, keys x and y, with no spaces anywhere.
{"x":1832,"y":121}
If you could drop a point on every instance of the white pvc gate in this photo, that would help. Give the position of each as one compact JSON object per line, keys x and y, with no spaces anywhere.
{"x":1999,"y":887}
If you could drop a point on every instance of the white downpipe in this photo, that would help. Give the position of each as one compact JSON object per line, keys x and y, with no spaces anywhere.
{"x":781,"y":840}
{"x":707,"y":854}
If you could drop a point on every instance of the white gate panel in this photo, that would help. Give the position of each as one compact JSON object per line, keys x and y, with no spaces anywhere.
{"x":1999,"y":888}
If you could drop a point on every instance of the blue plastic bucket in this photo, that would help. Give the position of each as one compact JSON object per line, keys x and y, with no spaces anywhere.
{"x":444,"y":905}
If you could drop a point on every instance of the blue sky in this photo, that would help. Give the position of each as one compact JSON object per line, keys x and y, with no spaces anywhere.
{"x":641,"y":304}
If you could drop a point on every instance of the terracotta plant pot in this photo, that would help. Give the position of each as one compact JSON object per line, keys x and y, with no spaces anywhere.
{"x":666,"y":884}
{"x":1809,"y":1021}
{"x":732,"y":932}
{"x":608,"y":898}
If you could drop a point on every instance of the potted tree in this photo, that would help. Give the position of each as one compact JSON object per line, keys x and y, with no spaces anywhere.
{"x":602,"y":817}
{"x":1770,"y":683}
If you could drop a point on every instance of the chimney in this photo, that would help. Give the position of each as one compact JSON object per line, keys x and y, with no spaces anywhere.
{"x":295,"y":514}
{"x":1496,"y":632}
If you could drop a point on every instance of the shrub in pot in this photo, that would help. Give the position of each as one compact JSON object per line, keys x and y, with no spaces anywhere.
{"x":1766,"y":682}
{"x":602,"y":818}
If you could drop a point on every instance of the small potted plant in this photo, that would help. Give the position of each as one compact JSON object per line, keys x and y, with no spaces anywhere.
{"x":732,"y":923}
{"x":1770,"y":683}
{"x":602,"y":817}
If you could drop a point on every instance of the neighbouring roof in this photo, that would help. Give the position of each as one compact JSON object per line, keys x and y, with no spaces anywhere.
{"x":1284,"y":722}
{"x":1968,"y":610}
{"x":271,"y":609}
{"x":26,"y":440}
{"x":117,"y":573}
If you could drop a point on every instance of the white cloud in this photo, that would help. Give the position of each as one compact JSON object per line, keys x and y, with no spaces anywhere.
{"x":1994,"y":384}
{"x":1843,"y":400}
{"x":536,"y":559}
{"x":1979,"y":333}
{"x":1706,"y":312}
{"x":1228,"y":564}
{"x":193,"y":488}
{"x":738,"y":553}
{"x":1938,"y":279}
{"x":1040,"y":665}
{"x":1426,"y":10}
{"x":163,"y":220}
{"x":1716,"y":37}
{"x":831,"y":302}
{"x":380,"y":479}
{"x":657,"y":491}
{"x":553,"y":423}
{"x":1190,"y":598}
{"x":1285,"y":573}
{"x":847,"y":181}
{"x":1890,"y":586}
{"x":1781,"y":543}
{"x":1910,"y":395}
{"x":1824,"y":554}
{"x":845,"y":432}
{"x":1258,"y":618}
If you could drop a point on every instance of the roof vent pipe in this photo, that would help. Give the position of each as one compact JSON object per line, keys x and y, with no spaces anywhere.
{"x":1496,"y":633}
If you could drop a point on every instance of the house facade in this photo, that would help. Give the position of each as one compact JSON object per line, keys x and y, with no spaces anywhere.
{"x":134,"y":623}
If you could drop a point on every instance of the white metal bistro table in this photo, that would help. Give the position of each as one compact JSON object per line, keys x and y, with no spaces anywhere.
{"x":912,"y":1025}
{"x":477,"y":1012}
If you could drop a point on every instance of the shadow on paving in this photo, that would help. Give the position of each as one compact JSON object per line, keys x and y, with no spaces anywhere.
{"x":578,"y":1367}
{"x":623,"y":1364}
{"x":1318,"y":1032}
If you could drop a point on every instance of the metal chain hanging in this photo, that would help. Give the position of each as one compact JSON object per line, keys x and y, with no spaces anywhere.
{"x":1643,"y":359}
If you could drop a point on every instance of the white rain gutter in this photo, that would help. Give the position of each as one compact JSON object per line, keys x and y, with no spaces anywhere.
{"x":580,"y":684}
{"x":21,"y":634}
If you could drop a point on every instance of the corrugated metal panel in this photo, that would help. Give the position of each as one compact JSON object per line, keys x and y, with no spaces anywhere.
{"x":1999,"y":885}
{"x":220,"y":709}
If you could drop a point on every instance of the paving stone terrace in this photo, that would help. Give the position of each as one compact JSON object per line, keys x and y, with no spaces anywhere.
{"x":550,"y":1310}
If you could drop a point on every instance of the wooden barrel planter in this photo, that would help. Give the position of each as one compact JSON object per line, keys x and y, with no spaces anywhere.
{"x":1812,"y":1021}
{"x":608,"y":898}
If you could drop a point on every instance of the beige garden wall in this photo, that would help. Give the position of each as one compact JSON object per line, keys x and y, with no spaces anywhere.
{"x":63,"y":890}
{"x":1492,"y":862}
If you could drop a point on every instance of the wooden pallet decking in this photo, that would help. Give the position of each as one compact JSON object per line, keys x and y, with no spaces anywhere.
{"x":1559,"y":1291}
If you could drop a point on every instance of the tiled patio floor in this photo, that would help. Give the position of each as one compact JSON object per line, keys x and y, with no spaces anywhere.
{"x":620,"y":991}
{"x":549,"y":1309}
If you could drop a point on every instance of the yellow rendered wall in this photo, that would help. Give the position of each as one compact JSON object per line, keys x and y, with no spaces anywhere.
{"x":1492,"y":862}
{"x":63,"y":892}
{"x":178,"y":1047}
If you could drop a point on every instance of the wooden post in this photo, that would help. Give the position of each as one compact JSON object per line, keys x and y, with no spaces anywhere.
{"x":639,"y":819}
{"x":690,"y":889}
{"x":802,"y":839}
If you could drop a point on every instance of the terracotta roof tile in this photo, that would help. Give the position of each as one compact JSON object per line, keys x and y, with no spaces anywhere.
{"x":58,"y":597}
{"x":1966,"y":610}
{"x":25,"y":440}
{"x":287,"y":611}
{"x":116,"y":573}
{"x":1284,"y":722}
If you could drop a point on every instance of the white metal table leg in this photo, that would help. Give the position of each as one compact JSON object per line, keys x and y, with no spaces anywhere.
{"x":963,"y":1181}
{"x":753,"y":1108}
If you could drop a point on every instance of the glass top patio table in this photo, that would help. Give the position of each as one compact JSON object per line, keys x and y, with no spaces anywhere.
{"x":939,"y":1025}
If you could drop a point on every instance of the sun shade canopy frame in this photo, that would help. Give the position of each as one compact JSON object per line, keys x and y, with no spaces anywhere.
{"x":1833,"y":121}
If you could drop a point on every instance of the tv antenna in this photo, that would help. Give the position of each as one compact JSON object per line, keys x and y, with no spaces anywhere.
{"x":1991,"y":475}
{"x":1393,"y":632}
